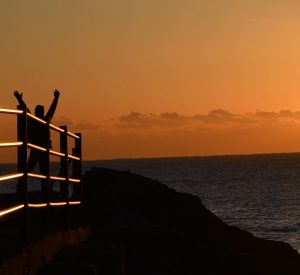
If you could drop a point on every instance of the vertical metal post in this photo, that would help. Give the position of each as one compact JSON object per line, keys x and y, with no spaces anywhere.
{"x":22,"y":168}
{"x":64,"y":186}
{"x":78,"y":144}
{"x":78,"y":173}
{"x":46,"y":186}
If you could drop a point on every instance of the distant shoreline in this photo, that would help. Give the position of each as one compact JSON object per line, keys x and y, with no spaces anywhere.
{"x":193,"y":157}
{"x":178,"y":157}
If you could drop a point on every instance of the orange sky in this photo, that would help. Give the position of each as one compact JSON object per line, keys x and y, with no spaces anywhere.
{"x":143,"y":78}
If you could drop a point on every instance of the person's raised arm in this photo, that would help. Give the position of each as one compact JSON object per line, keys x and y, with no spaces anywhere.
{"x":19,"y":97}
{"x":52,"y":108}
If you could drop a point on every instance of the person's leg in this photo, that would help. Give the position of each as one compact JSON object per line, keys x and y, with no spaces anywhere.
{"x":31,"y":163}
{"x":44,"y":166}
{"x":43,"y":163}
{"x":33,"y":159}
{"x":45,"y":192}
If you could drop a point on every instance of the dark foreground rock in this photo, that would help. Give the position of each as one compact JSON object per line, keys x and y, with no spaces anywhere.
{"x":140,"y":226}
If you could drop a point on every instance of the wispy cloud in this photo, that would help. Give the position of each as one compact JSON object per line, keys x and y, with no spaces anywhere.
{"x":218,"y":117}
{"x":146,"y":121}
{"x":76,"y":126}
{"x":136,"y":120}
{"x":221,"y":116}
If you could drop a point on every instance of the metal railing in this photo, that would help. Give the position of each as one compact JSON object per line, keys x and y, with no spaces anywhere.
{"x":22,"y":175}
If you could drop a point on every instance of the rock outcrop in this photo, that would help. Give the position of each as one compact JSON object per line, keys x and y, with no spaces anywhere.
{"x":152,"y":229}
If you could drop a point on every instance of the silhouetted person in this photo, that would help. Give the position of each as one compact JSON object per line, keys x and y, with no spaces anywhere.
{"x":38,"y":134}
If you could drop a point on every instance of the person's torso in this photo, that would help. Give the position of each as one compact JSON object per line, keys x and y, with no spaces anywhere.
{"x":38,"y":133}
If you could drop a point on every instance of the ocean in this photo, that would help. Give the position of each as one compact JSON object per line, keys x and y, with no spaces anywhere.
{"x":257,"y":193}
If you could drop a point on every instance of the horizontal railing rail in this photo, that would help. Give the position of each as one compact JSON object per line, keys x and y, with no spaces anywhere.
{"x":11,"y":209}
{"x":10,"y":111}
{"x":22,"y":175}
{"x":11,"y":144}
{"x":11,"y":176}
{"x":35,"y":205}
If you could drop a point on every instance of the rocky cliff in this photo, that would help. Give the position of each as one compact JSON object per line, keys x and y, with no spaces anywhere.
{"x":141,"y":226}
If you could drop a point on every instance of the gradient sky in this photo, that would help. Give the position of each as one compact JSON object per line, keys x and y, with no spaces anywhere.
{"x":158,"y":78}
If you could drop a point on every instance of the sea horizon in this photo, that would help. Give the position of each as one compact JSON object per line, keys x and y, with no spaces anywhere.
{"x":181,"y":156}
{"x":196,"y":156}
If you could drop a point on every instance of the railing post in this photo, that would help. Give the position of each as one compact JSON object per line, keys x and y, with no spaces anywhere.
{"x":46,"y":186}
{"x":78,"y":173}
{"x":64,"y":186}
{"x":22,"y":184}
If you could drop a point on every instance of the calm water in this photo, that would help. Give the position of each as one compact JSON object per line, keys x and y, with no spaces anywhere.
{"x":258,"y":193}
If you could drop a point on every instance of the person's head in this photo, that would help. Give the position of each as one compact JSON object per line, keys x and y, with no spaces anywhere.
{"x":39,"y":111}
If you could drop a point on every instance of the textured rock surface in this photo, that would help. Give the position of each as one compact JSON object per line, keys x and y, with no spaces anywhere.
{"x":140,"y":226}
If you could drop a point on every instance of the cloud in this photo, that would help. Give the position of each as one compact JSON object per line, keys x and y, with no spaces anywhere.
{"x":214,"y":118}
{"x":171,"y":116}
{"x":289,"y":114}
{"x":80,"y":125}
{"x":146,"y":121}
{"x":136,"y":120}
{"x":172,"y":120}
{"x":266,"y":115}
{"x":221,"y":116}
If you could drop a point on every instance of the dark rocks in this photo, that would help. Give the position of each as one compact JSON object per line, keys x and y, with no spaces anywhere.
{"x":90,"y":257}
{"x":152,"y":229}
{"x":109,"y":192}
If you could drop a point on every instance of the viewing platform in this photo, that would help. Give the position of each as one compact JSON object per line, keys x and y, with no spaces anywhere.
{"x":35,"y":225}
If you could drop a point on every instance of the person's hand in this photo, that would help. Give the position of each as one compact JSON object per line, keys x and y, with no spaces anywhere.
{"x":18,"y":95}
{"x":56,"y":94}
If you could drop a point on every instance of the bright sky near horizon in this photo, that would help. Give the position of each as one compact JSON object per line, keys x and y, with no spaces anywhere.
{"x":158,"y":77}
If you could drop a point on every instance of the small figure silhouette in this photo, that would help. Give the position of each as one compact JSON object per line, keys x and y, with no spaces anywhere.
{"x":38,"y":134}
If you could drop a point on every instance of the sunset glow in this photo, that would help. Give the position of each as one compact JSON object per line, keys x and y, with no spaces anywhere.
{"x":157,"y":78}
